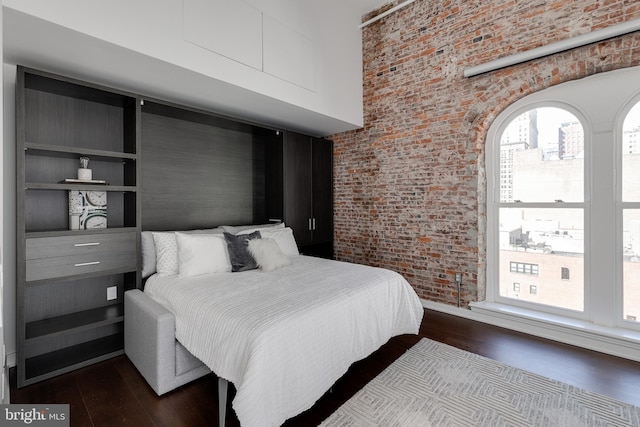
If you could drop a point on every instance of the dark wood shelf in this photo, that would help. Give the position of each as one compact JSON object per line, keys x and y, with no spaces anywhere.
{"x":74,"y":322}
{"x":73,"y":152}
{"x":42,"y":81}
{"x":80,"y":276}
{"x":86,"y":187}
{"x":70,"y":358}
{"x":66,"y":232}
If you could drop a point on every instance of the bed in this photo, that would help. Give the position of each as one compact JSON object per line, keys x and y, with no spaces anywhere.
{"x":282,"y":333}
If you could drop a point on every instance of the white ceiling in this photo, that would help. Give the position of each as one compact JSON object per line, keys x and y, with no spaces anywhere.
{"x":24,"y":44}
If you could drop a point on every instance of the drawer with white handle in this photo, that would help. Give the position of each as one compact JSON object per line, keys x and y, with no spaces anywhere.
{"x":45,"y":247}
{"x":49,"y":258}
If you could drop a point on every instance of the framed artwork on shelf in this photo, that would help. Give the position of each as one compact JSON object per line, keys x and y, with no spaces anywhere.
{"x":87,"y":209}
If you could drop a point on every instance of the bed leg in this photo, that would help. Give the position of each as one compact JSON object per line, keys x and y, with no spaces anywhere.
{"x":222,"y":400}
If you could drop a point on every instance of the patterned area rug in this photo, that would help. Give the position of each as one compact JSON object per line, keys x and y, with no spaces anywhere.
{"x":434,"y":384}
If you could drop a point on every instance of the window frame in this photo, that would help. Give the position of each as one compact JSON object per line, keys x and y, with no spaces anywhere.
{"x":492,"y":163}
{"x":605,"y":98}
{"x":620,"y":206}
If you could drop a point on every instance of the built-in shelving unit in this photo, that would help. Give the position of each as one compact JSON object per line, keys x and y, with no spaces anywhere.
{"x":200,"y":170}
{"x":64,"y":319}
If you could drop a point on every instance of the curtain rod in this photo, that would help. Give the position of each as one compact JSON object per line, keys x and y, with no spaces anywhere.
{"x":570,"y":43}
{"x":383,"y":14}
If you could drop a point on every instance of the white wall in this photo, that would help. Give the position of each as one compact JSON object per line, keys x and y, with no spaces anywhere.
{"x":8,"y":211}
{"x":7,"y":317}
{"x":301,"y":69}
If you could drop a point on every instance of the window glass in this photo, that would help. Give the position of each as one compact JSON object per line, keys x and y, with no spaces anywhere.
{"x":537,"y":243}
{"x":631,"y":217}
{"x":631,"y":265}
{"x":542,"y":157}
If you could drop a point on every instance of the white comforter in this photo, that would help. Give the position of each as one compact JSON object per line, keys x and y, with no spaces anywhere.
{"x":284,"y":337}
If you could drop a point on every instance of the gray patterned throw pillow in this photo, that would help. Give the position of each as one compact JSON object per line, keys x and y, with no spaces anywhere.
{"x":238,"y":245}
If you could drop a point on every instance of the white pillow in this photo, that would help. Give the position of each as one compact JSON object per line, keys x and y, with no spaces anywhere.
{"x":202,"y":254}
{"x":149,"y":255}
{"x":284,"y":238}
{"x":243,"y":229}
{"x":166,"y":252}
{"x":267,"y":254}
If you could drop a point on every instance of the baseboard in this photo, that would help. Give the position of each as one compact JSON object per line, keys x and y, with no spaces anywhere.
{"x":614,"y":341}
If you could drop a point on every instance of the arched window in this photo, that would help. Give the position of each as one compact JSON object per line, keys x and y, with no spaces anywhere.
{"x":563,"y":203}
{"x":540,"y":209}
{"x":630,"y":157}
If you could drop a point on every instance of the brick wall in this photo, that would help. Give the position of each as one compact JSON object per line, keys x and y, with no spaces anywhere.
{"x":410,"y":185}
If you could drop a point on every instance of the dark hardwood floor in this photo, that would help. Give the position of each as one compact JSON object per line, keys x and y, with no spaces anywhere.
{"x":112,"y":393}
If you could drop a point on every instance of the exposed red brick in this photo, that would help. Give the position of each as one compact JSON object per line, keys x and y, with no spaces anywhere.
{"x":410,"y":186}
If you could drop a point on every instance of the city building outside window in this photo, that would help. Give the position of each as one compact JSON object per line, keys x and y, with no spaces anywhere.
{"x":630,"y":204}
{"x":541,"y":205}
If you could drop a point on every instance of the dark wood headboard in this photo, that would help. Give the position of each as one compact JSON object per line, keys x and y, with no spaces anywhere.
{"x":200,"y":170}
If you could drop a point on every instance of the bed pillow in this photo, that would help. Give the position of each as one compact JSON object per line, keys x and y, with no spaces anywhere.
{"x":236,"y":229}
{"x":241,"y":258}
{"x":267,"y":254}
{"x":149,"y":255}
{"x":166,"y":252}
{"x":284,"y":238}
{"x":202,"y":254}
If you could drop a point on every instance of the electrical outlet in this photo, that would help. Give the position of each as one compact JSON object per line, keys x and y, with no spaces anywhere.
{"x":112,"y":293}
{"x":458,"y":278}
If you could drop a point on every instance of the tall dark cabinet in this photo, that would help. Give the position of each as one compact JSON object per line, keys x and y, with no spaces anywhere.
{"x":306,"y":201}
{"x":70,"y":283}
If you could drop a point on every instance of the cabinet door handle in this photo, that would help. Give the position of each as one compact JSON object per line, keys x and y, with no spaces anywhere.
{"x":314,"y":224}
{"x":87,"y":244}
{"x":310,"y":224}
{"x":82,"y":264}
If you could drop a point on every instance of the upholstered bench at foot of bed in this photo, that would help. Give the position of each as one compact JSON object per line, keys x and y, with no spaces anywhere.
{"x":150,"y":343}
